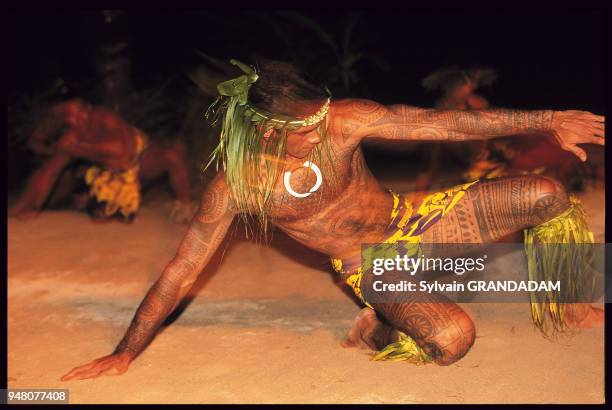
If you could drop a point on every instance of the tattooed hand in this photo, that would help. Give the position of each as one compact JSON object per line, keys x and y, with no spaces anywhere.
{"x":114,"y":364}
{"x":203,"y":237}
{"x":577,"y":127}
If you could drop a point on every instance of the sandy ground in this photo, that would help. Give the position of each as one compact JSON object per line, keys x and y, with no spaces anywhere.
{"x":265,"y":326}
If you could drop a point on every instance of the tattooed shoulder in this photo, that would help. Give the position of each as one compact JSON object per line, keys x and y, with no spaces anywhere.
{"x":216,"y":201}
{"x":351,"y":117}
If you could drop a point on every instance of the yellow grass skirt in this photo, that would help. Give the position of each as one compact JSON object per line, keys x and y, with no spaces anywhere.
{"x":120,"y":190}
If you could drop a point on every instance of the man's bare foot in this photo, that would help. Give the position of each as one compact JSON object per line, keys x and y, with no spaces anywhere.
{"x":368,"y":332}
{"x":584,"y":315}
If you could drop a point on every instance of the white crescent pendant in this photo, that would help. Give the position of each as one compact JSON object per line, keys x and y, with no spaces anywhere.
{"x":316,"y":186}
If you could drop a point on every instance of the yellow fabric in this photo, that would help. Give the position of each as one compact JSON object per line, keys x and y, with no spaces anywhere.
{"x":119,"y":189}
{"x":354,"y":281}
{"x":407,"y":229}
{"x":435,"y":205}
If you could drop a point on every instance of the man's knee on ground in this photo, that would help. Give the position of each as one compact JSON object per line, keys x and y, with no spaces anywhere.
{"x":550,"y":186}
{"x":444,"y":330}
{"x":453,"y":341}
{"x":550,"y":199}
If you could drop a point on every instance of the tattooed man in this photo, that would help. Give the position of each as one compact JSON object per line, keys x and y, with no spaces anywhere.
{"x":291,"y":156}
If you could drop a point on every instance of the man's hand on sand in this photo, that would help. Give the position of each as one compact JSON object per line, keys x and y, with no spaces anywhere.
{"x":577,"y":127}
{"x":111,"y":365}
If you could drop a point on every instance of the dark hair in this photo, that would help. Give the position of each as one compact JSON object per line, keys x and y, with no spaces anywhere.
{"x":447,"y":79}
{"x":280,"y":86}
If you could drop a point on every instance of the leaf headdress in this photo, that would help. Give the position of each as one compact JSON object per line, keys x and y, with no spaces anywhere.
{"x":252,"y":142}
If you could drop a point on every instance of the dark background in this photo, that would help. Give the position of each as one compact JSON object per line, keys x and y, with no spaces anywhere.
{"x":544,"y":60}
{"x":553,"y":59}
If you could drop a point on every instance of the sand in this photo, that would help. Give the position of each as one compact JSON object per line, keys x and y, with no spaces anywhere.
{"x":265,"y":326}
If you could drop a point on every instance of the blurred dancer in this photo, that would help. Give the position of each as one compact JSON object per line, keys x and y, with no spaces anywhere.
{"x":458,"y":92}
{"x":93,"y":145}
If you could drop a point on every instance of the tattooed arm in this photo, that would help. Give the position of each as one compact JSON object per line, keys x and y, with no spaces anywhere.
{"x":403,"y":122}
{"x":204,"y":235}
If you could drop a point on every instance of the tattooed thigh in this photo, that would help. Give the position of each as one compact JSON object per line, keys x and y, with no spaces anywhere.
{"x":494,"y":208}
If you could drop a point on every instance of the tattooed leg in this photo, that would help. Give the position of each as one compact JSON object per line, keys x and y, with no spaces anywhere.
{"x":489,"y":211}
{"x":496,"y":208}
{"x":493,"y":209}
{"x":502,"y":206}
{"x":444,"y":330}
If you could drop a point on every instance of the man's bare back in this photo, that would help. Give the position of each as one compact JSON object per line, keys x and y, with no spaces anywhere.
{"x":100,"y":137}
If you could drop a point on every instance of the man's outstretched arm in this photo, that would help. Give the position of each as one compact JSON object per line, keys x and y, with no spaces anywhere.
{"x":403,"y":122}
{"x":39,"y":186}
{"x":204,"y":235}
